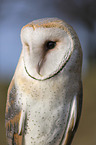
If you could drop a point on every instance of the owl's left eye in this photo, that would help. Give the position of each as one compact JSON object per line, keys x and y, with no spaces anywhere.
{"x":50,"y":45}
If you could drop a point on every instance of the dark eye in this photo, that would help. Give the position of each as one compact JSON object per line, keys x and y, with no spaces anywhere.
{"x":50,"y":45}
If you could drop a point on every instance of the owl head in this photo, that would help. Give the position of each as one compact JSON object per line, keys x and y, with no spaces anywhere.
{"x":48,"y":45}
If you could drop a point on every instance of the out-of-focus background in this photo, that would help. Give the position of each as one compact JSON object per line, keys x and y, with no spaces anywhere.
{"x":81,"y":14}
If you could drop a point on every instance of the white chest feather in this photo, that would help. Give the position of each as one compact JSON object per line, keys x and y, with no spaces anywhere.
{"x":47,"y":111}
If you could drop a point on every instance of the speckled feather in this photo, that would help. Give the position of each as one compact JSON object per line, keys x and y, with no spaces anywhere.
{"x":45,"y":109}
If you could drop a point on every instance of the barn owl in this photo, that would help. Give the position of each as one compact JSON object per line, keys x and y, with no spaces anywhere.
{"x":44,"y":98}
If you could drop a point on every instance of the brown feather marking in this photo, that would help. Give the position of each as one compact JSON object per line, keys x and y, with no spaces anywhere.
{"x":18,"y":139}
{"x":56,"y":24}
{"x":12,"y":117}
{"x":8,"y":95}
{"x":14,"y":120}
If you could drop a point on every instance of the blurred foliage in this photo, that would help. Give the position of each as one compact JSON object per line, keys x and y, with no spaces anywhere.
{"x":86,"y":132}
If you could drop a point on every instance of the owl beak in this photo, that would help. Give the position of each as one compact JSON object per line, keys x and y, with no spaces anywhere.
{"x":39,"y":66}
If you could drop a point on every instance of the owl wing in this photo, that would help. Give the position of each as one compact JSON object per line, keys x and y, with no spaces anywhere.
{"x":14,"y":118}
{"x":73,"y":120}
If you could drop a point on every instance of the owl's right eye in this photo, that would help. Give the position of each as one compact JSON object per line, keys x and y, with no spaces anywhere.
{"x":50,"y":45}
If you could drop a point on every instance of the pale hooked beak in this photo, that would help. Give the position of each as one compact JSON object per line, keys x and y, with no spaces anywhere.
{"x":39,"y":66}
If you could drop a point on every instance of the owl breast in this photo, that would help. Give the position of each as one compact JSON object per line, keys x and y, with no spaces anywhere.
{"x":47,"y":108}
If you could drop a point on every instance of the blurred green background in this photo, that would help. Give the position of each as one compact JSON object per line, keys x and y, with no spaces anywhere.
{"x":82,"y":16}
